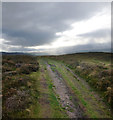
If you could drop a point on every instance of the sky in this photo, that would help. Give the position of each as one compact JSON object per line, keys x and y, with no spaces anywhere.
{"x":56,"y":28}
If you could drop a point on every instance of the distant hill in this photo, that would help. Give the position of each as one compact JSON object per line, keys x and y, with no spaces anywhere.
{"x":13,"y":53}
{"x":45,"y":54}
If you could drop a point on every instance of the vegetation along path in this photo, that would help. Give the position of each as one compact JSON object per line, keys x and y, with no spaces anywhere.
{"x":64,"y":95}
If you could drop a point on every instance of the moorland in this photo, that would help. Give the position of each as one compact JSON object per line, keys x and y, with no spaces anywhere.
{"x":76,"y":85}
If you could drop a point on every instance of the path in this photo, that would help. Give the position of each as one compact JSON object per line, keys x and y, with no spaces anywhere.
{"x":64,"y":94}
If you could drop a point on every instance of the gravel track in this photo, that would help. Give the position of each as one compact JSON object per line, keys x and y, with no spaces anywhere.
{"x":64,"y":94}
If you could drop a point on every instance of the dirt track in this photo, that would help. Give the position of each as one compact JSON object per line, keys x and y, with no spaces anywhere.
{"x":64,"y":95}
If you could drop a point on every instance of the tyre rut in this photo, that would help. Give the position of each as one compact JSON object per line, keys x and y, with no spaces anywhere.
{"x":64,"y":94}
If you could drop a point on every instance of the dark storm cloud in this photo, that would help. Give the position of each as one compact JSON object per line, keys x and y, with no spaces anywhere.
{"x":29,"y":24}
{"x":27,"y":38}
{"x":91,"y":47}
{"x":102,"y":33}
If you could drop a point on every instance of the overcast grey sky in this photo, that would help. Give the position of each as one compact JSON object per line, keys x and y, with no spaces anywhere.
{"x":55,"y":28}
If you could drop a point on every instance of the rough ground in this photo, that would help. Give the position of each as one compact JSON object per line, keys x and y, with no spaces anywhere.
{"x":64,"y":95}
